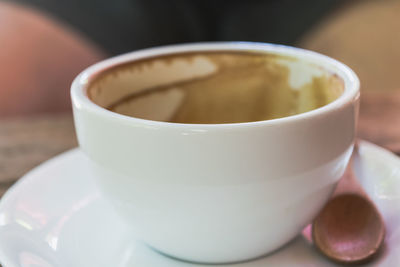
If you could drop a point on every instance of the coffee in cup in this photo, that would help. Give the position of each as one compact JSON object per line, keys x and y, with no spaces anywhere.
{"x":229,"y":87}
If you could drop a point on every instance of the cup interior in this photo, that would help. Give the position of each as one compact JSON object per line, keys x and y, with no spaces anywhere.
{"x":206,"y":87}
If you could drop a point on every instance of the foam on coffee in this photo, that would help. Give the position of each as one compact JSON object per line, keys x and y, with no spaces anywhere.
{"x":215,"y":87}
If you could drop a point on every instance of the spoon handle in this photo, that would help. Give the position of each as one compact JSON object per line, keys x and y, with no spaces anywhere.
{"x":349,"y":184}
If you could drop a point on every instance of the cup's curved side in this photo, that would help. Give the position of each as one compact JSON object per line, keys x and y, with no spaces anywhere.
{"x":246,"y":191}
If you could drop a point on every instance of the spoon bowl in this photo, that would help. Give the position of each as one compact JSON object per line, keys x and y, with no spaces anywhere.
{"x":349,"y":229}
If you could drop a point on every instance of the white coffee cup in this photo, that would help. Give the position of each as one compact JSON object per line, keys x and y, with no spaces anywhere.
{"x":215,"y":193}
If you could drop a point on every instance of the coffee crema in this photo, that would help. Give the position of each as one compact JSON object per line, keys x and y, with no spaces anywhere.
{"x":215,"y":87}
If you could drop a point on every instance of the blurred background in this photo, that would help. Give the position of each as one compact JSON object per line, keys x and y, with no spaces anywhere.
{"x":44,"y":44}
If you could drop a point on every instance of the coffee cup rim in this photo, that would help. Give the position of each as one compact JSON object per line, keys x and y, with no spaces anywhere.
{"x":80,"y":99}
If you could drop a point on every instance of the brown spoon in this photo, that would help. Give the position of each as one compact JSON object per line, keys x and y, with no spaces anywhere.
{"x":349,"y":229}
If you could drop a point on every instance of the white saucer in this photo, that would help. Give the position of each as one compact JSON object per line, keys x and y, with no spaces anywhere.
{"x":54,"y":216}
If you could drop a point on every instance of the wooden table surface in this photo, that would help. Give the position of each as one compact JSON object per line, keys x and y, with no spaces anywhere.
{"x":26,"y":142}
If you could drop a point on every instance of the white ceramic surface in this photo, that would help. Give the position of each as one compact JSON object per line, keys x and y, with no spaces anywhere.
{"x":240,"y":190}
{"x":55,"y":217}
